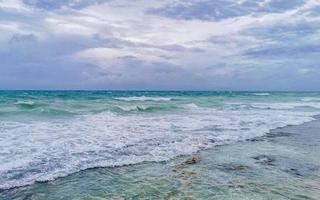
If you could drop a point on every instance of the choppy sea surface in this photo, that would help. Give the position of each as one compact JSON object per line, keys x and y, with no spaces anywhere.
{"x":45,"y":135}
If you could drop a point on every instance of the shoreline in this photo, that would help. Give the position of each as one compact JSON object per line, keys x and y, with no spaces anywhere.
{"x":254,"y":139}
{"x":184,"y":170}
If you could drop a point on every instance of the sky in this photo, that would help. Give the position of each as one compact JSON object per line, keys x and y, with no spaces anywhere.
{"x":160,"y":45}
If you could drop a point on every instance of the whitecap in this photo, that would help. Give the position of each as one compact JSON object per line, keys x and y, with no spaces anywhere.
{"x":261,"y":94}
{"x":191,"y":105}
{"x":28,"y":103}
{"x":45,"y":150}
{"x":143,"y":98}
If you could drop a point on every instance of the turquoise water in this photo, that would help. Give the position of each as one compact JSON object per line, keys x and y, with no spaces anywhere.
{"x":46,"y":135}
{"x":283,"y":165}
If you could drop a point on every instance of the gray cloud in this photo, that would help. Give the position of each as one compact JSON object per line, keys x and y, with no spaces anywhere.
{"x":172,"y":45}
{"x":222,"y":9}
{"x":57,"y":4}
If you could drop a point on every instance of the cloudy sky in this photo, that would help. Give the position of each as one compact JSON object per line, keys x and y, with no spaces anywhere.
{"x":160,"y":44}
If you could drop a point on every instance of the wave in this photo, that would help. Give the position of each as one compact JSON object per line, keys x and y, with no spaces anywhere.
{"x":155,"y":108}
{"x":45,"y":150}
{"x":31,"y":108}
{"x":26,"y":104}
{"x":143,"y":98}
{"x":143,"y":108}
{"x":191,"y":106}
{"x":309,"y":99}
{"x":261,"y":94}
{"x":285,"y":106}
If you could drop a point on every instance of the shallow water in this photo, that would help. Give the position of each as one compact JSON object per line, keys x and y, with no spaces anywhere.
{"x":282,"y":165}
{"x":46,"y":135}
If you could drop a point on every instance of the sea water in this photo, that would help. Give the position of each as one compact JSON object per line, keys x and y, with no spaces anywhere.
{"x":45,"y":135}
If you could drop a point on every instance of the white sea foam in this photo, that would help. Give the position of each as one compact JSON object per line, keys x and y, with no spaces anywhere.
{"x":191,"y":106}
{"x":29,"y":103}
{"x":310,"y":99}
{"x":44,"y":150}
{"x":261,"y":94}
{"x":286,"y":105}
{"x":143,"y":98}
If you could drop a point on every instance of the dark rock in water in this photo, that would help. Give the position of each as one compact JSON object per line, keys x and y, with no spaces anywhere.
{"x":278,"y":134}
{"x":193,"y":160}
{"x":185,"y":173}
{"x":293,"y":171}
{"x":212,"y":141}
{"x":255,"y":139}
{"x":265,"y":160}
{"x":234,"y":167}
{"x":238,"y":167}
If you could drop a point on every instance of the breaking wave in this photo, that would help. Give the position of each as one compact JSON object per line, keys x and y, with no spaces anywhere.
{"x":261,"y":94}
{"x":107,"y":133}
{"x":40,"y":151}
{"x":26,"y":104}
{"x":143,"y":98}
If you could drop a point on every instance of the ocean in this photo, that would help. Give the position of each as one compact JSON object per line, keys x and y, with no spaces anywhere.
{"x":48,"y":135}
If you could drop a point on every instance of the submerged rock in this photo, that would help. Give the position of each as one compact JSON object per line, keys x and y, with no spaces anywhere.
{"x":264,"y":160}
{"x":234,"y":167}
{"x":278,"y":134}
{"x":195,"y":159}
{"x":259,"y":139}
{"x":294,"y":172}
{"x":191,"y":161}
{"x":188,"y":173}
{"x":185,"y":174}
